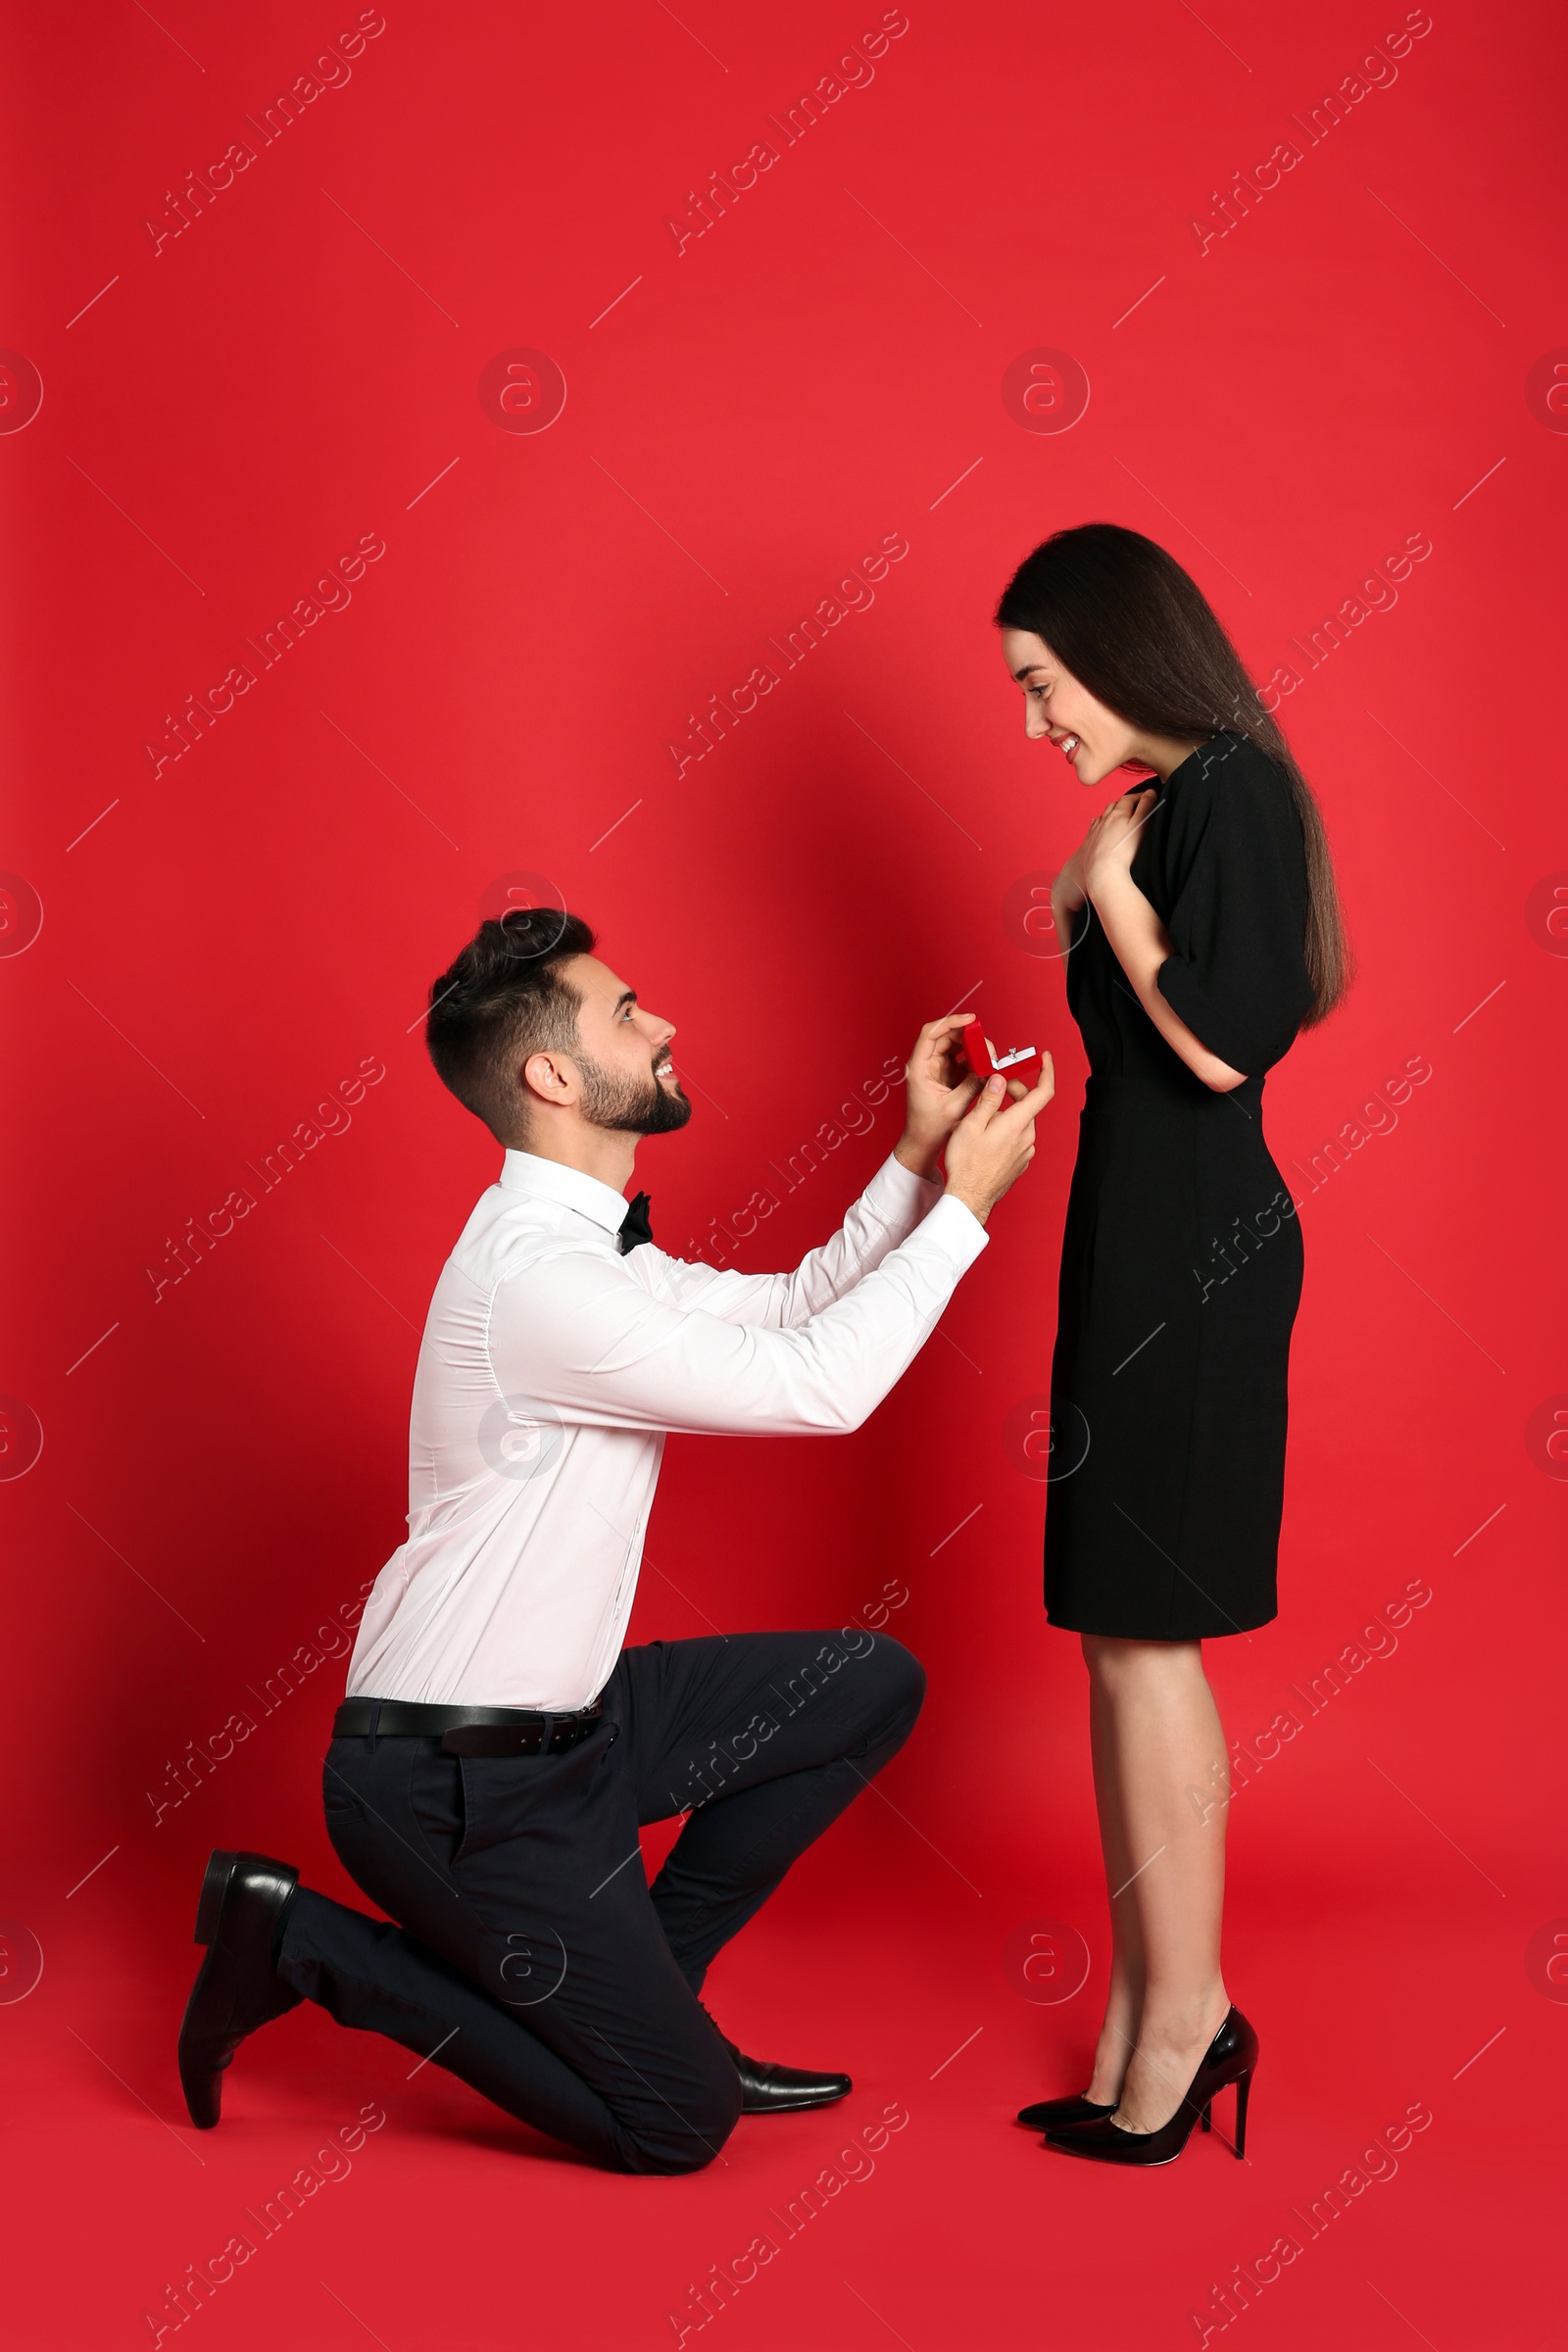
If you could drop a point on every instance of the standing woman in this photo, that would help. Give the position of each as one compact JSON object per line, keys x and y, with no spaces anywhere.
{"x":1202,"y":929}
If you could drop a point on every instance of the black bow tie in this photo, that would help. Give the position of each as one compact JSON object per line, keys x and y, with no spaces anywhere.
{"x":634,"y":1226}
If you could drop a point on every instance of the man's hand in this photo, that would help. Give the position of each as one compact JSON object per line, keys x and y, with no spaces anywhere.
{"x":939,"y":1092}
{"x":989,"y":1149}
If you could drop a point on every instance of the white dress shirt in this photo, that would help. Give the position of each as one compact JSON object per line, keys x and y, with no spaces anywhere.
{"x":551,"y":1368}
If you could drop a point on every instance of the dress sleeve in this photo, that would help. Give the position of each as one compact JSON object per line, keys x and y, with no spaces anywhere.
{"x":1237,"y":867}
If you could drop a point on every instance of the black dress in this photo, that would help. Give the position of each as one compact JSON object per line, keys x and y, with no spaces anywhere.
{"x":1181,"y":1265}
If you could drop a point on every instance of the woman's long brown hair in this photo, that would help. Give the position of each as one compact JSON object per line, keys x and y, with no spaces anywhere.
{"x":1130,"y":624}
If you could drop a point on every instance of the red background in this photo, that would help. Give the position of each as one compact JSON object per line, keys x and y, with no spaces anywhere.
{"x":225,"y":416}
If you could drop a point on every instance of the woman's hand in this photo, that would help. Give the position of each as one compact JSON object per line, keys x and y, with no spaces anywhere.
{"x":1111,"y":841}
{"x":939,"y":1093}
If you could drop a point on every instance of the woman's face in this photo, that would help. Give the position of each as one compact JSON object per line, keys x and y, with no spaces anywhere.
{"x":1057,"y":709}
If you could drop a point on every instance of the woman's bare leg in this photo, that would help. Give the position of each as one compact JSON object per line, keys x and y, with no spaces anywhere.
{"x":1118,"y":2033}
{"x":1165,"y":1753}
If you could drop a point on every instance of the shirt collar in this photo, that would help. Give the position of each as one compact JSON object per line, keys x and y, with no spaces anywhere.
{"x":550,"y":1180}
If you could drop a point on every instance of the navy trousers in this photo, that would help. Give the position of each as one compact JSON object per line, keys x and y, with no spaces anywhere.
{"x":530,"y":1956}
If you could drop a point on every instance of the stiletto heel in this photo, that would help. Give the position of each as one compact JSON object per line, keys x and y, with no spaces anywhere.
{"x":1244,"y":2083}
{"x":1206,"y":2119}
{"x":1230,"y":2058}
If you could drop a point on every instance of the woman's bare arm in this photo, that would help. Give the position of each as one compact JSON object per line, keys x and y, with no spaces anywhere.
{"x":1138,"y":938}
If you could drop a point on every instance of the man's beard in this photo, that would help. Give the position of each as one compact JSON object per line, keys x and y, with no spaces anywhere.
{"x":630,"y":1106}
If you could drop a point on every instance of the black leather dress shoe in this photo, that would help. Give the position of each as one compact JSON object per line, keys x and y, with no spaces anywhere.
{"x":767,"y":2089}
{"x":1057,"y":2114}
{"x":243,"y":1898}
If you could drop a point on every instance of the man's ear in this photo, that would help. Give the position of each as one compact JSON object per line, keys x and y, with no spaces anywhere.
{"x":549,"y":1078}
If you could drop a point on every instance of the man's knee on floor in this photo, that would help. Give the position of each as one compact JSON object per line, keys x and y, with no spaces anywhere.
{"x":667,"y":2155}
{"x":690,"y":2131}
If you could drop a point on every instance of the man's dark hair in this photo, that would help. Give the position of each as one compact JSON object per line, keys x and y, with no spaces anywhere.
{"x":504,"y":998}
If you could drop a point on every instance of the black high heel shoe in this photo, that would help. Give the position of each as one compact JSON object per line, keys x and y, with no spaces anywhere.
{"x":1048,"y":2114}
{"x":1230,"y":2058}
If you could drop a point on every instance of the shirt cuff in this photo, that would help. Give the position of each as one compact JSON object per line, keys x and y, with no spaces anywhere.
{"x":956,"y":1231}
{"x":899,"y":1197}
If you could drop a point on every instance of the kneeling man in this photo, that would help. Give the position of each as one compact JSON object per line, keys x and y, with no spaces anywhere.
{"x":499,"y":1747}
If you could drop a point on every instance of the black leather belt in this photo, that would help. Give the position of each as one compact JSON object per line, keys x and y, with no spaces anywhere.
{"x":466,"y":1731}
